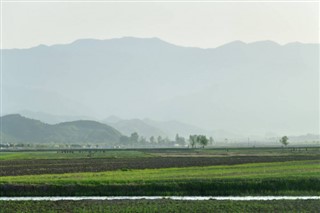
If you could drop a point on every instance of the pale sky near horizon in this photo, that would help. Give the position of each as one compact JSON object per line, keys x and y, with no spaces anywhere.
{"x":203,"y":25}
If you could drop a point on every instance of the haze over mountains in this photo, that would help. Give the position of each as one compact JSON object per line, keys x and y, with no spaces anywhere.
{"x":244,"y":88}
{"x":23,"y":130}
{"x":148,"y":128}
{"x":144,"y":127}
{"x":19,"y":129}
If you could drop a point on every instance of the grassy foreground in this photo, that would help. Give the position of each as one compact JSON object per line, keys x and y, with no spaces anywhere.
{"x":280,"y":178}
{"x":152,"y":206}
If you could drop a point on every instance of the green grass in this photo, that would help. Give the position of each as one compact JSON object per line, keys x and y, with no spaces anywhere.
{"x":34,"y":155}
{"x":280,"y":178}
{"x":213,"y":152}
{"x":292,"y":169}
{"x":152,"y":206}
{"x":300,"y":177}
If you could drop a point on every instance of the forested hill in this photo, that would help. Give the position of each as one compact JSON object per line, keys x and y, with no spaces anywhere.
{"x":18,"y":129}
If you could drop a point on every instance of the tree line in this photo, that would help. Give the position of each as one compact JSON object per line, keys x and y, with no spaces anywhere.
{"x":193,"y":140}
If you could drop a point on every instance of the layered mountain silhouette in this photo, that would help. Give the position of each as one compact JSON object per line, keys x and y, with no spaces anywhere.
{"x":18,"y":129}
{"x":255,"y":87}
{"x":144,"y":127}
{"x":135,"y":125}
{"x":147,"y":127}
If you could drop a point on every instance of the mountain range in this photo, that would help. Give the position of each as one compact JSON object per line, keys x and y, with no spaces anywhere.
{"x":136,"y":125}
{"x":246,"y":88}
{"x":18,"y":129}
{"x":144,"y":127}
{"x":147,"y":127}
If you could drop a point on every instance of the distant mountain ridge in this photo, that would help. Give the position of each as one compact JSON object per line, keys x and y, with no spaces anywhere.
{"x":144,"y":127}
{"x":135,"y":125}
{"x":171,"y":128}
{"x":50,"y":118}
{"x":18,"y":129}
{"x":148,"y":127}
{"x":239,"y":87}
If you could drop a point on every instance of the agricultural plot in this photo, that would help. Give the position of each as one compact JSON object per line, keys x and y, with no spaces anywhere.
{"x":223,"y":152}
{"x":210,"y":172}
{"x":161,"y":152}
{"x":59,"y":166}
{"x":277,"y":178}
{"x":155,"y":206}
{"x":69,"y":154}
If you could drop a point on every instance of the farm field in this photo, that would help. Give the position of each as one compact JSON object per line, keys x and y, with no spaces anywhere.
{"x":153,"y":206}
{"x":70,"y":161}
{"x":160,"y":152}
{"x":151,"y":172}
{"x":69,"y":154}
{"x":60,"y":166}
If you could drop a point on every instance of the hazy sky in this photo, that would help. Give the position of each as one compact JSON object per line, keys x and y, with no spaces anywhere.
{"x":188,"y":24}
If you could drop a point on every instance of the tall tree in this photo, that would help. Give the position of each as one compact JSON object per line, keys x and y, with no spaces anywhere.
{"x":193,"y":140}
{"x":202,"y":140}
{"x":152,"y":140}
{"x":177,"y":138}
{"x":211,"y":141}
{"x":180,"y":140}
{"x":284,"y":140}
{"x":134,"y":138}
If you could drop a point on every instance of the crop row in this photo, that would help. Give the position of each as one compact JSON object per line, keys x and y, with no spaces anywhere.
{"x":234,"y":187}
{"x":153,"y":206}
{"x":59,"y":166}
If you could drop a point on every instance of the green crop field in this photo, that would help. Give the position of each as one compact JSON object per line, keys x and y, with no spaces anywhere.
{"x":293,"y":169}
{"x":139,"y":153}
{"x":286,"y":178}
{"x":161,"y":172}
{"x":155,"y":206}
{"x":71,"y":155}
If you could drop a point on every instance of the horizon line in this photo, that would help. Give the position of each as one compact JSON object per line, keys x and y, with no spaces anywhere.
{"x":160,"y":39}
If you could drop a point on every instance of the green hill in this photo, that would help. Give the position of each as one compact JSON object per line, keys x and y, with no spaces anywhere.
{"x":16,"y":128}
